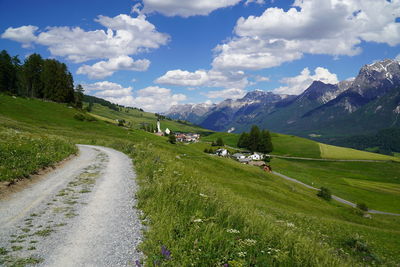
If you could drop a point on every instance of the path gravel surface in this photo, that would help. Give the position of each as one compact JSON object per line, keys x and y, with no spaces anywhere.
{"x":81,"y":214}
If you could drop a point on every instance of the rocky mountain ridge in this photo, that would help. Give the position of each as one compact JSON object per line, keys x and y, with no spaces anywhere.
{"x":351,"y":106}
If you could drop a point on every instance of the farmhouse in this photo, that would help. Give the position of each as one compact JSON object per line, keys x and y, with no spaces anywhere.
{"x":255,"y":156}
{"x":222,"y":152}
{"x":187,"y":137}
{"x":238,"y":156}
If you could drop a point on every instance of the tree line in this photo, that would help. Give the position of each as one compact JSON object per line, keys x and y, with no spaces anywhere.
{"x":256,"y":140}
{"x":384,"y":141}
{"x":38,"y":78}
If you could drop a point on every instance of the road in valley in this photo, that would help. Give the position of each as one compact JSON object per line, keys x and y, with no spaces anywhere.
{"x":81,"y":214}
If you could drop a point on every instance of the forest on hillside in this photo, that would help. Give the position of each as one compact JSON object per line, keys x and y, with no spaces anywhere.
{"x":38,"y":78}
{"x":384,"y":141}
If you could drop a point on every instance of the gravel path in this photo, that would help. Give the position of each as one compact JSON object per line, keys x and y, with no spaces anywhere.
{"x":341,"y":200}
{"x":82,"y":214}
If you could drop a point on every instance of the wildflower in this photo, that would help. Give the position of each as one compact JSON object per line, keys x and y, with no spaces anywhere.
{"x":165,"y":252}
{"x":203,"y":195}
{"x":198,"y":220}
{"x":233,"y":231}
{"x":249,"y":242}
{"x":289,"y":224}
{"x":137,"y":262}
{"x":242,"y":254}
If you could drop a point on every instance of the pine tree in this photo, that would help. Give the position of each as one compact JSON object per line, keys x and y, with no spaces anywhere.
{"x":243,"y":141}
{"x":79,"y":96}
{"x":265,"y":144}
{"x":219,"y":142}
{"x":32,"y":76}
{"x":9,"y":67}
{"x":254,"y":138}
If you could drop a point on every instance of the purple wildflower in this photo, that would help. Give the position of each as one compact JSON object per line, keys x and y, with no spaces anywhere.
{"x":226,"y":265}
{"x":165,"y":252}
{"x":137,"y":262}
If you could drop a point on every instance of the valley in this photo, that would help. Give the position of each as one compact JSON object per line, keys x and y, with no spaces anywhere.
{"x":201,"y":209}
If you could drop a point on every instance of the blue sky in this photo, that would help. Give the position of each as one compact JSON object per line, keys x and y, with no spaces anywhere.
{"x":156,"y":53}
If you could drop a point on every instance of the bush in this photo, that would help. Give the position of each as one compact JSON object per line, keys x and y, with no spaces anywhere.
{"x":362,"y":206}
{"x":172,"y":139}
{"x":325,"y":193}
{"x":79,"y":117}
{"x":84,"y":117}
{"x":121,"y":122}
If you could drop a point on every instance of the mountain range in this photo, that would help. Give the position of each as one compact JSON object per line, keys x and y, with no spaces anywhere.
{"x":366,"y":104}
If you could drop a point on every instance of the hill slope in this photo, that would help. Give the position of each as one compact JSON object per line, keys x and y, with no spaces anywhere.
{"x":211,"y":211}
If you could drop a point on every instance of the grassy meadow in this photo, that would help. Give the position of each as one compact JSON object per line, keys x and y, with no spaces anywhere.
{"x":22,"y":154}
{"x":135,"y":118}
{"x":335,"y":152}
{"x":376,"y":184}
{"x":202,"y":210}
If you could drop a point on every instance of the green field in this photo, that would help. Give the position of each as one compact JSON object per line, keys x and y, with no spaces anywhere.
{"x":136,"y":118}
{"x":285,"y":145}
{"x":335,"y":152}
{"x":210,"y":211}
{"x":375,"y":183}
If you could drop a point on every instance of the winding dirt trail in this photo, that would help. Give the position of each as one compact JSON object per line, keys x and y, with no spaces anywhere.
{"x":81,"y":214}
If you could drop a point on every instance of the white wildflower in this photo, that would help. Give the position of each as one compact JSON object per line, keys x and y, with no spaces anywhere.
{"x":233,"y":231}
{"x":289,"y":224}
{"x":203,"y":195}
{"x":198,"y":220}
{"x":242,"y":254}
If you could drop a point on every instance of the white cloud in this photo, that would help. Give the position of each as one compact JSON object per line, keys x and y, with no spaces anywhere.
{"x":232,"y":93}
{"x":184,"y":78}
{"x":152,"y":98}
{"x":107,"y":89}
{"x":279,"y":36}
{"x":186,"y":8}
{"x":259,"y":78}
{"x":298,"y":84}
{"x":210,"y":78}
{"x":103,"y":69}
{"x":24,"y":34}
{"x":125,"y":36}
{"x":259,"y":2}
{"x":157,"y":99}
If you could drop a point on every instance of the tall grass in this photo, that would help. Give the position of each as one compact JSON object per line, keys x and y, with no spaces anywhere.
{"x":22,"y":154}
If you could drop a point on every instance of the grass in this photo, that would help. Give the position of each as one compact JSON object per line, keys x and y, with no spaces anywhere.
{"x":22,"y":154}
{"x":335,"y":152}
{"x":207,"y":211}
{"x":135,"y":118}
{"x":375,"y":183}
{"x":284,"y":145}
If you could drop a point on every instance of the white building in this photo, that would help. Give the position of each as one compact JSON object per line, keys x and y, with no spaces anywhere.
{"x":222,"y":152}
{"x":255,"y":156}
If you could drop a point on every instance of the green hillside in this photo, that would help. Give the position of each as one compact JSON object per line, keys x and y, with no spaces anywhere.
{"x":211,"y":211}
{"x":135,"y":118}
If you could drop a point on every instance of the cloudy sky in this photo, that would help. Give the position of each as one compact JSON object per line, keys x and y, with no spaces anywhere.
{"x":156,"y":53}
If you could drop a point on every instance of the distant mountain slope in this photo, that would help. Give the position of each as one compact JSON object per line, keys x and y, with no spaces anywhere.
{"x":366,"y":104}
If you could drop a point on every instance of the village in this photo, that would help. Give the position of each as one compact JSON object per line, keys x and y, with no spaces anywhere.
{"x":254,"y":159}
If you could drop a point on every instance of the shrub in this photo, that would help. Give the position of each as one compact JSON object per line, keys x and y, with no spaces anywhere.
{"x":325,"y":193}
{"x":362,"y":206}
{"x":84,"y":117}
{"x":79,"y":117}
{"x":172,"y":139}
